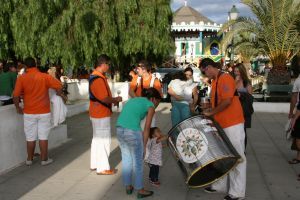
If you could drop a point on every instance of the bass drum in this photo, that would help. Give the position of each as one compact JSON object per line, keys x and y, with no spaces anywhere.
{"x":202,"y":150}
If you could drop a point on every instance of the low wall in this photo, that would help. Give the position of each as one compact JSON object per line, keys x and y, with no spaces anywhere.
{"x":271,"y":107}
{"x":12,"y":138}
{"x":79,"y":90}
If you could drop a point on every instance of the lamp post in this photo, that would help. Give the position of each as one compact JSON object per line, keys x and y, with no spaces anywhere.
{"x":233,"y":15}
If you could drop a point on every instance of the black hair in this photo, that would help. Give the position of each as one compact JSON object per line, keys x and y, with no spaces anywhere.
{"x":30,"y":62}
{"x":102,"y":59}
{"x":189,"y":69}
{"x":152,"y":131}
{"x":151,"y":93}
{"x":7,"y":66}
{"x":179,"y":75}
{"x":207,"y":61}
{"x":145,"y":64}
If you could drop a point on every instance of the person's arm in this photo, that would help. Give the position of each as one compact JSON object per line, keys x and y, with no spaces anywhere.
{"x":132,"y":87}
{"x":98,"y":87}
{"x":158,"y":86}
{"x":16,"y":101}
{"x":112,"y":100}
{"x":297,"y":114}
{"x":149,"y":117}
{"x":293,"y":104}
{"x":16,"y":95}
{"x":195,"y":96}
{"x":173,"y":94}
{"x":249,"y":89}
{"x":219,"y":108}
{"x":161,"y":138}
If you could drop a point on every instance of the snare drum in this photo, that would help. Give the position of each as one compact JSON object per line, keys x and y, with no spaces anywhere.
{"x":202,"y":150}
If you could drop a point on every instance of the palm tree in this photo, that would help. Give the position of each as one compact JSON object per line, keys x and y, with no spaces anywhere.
{"x":273,"y":33}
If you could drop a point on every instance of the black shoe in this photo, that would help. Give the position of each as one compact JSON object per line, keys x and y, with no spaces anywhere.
{"x":144,"y":195}
{"x":232,"y":198}
{"x":209,"y":190}
{"x":129,"y":190}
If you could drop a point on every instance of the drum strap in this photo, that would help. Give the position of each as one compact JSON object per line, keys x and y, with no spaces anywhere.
{"x":216,"y":92}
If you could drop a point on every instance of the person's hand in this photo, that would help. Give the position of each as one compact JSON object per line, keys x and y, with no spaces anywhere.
{"x":207,"y":112}
{"x":291,"y":115}
{"x":20,"y":110}
{"x":117,"y":100}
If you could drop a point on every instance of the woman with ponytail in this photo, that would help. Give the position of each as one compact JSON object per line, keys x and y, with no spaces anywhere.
{"x":133,"y":140}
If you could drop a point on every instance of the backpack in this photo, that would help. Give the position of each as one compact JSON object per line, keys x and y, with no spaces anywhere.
{"x":92,"y":97}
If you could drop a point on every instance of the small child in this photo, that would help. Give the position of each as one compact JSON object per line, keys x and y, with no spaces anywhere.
{"x":154,"y":154}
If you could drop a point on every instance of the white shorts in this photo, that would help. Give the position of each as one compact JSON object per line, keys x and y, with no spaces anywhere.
{"x":37,"y":126}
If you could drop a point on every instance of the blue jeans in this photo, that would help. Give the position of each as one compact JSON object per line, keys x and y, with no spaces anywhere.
{"x":132,"y":149}
{"x":180,"y":112}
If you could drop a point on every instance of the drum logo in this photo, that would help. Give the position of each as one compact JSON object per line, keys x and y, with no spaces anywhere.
{"x":191,"y":144}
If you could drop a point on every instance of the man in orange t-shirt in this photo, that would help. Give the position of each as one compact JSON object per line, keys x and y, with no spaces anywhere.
{"x":144,"y":80}
{"x":34,"y":87}
{"x":100,"y":112}
{"x":227,"y":111}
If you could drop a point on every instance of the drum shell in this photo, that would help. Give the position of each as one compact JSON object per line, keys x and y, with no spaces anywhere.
{"x":215,"y":158}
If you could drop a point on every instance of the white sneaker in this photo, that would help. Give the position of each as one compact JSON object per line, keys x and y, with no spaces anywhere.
{"x":28,"y":162}
{"x":47,"y":162}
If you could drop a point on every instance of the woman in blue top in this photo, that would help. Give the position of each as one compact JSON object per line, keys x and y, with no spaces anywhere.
{"x":133,"y":140}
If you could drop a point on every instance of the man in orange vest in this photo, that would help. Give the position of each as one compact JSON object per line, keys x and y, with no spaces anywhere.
{"x":100,"y":112}
{"x":34,"y":86}
{"x":144,"y":80}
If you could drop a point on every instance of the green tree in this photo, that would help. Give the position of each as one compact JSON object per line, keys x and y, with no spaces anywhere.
{"x":76,"y":32}
{"x":144,"y":30}
{"x":273,"y":32}
{"x":6,"y":38}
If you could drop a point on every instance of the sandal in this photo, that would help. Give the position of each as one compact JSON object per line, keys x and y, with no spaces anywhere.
{"x":294,"y":161}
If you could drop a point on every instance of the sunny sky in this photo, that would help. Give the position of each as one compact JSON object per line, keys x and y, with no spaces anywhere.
{"x":216,"y":10}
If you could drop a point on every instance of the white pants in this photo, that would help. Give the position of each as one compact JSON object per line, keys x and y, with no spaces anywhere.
{"x":235,"y":182}
{"x":37,"y":126}
{"x":100,"y":148}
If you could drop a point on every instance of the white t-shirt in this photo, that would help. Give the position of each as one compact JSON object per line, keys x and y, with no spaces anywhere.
{"x":296,"y":87}
{"x":188,"y":91}
{"x":178,"y":87}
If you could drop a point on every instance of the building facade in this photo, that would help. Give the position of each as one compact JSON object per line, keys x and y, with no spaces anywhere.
{"x":195,"y":36}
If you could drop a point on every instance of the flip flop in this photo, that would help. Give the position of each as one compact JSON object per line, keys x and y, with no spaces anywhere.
{"x":294,"y":161}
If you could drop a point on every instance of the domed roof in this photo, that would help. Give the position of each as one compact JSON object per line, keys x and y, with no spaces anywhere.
{"x":187,"y":14}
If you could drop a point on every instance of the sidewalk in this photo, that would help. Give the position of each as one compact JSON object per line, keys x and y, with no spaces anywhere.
{"x":69,"y":177}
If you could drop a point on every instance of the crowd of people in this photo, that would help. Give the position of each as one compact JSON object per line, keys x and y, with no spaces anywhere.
{"x":229,"y":94}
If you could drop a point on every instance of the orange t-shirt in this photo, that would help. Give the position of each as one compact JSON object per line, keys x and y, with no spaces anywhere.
{"x":233,"y":114}
{"x":34,"y":87}
{"x":101,"y":90}
{"x":134,"y":85}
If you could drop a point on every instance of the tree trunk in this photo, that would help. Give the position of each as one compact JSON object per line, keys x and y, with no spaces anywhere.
{"x":278,"y":76}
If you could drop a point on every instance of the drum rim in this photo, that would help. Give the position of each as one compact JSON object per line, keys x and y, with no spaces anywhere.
{"x":169,"y":133}
{"x":199,"y":168}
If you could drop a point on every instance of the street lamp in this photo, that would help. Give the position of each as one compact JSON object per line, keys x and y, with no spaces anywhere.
{"x":233,"y":15}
